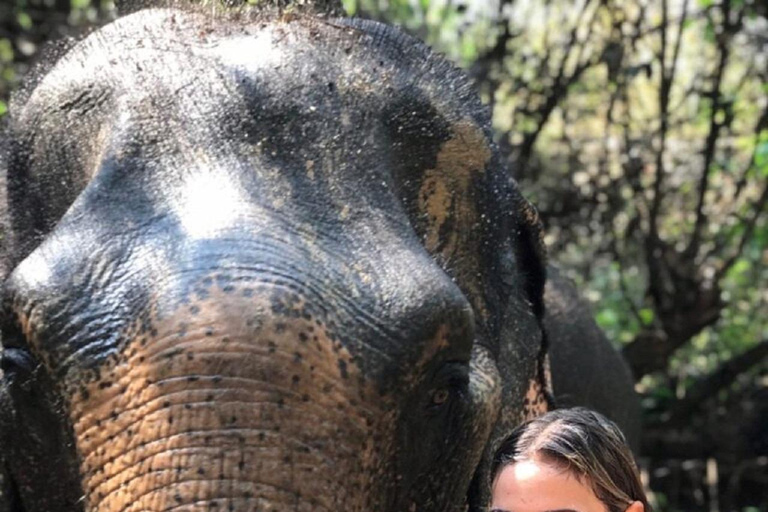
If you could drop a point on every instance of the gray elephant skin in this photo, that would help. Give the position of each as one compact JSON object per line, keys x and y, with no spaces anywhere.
{"x":261,"y":263}
{"x":586,"y":369}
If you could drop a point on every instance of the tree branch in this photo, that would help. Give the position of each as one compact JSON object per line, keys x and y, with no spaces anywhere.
{"x":721,"y":378}
{"x":751,"y":223}
{"x":667,"y":79}
{"x":722,"y":242}
{"x":715,"y":125}
{"x":622,"y":283}
{"x":559,"y":88}
{"x":762,"y":124}
{"x":481,"y":69}
{"x":663,"y":104}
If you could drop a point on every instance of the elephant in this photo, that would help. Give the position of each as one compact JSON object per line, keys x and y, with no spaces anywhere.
{"x":261,"y":262}
{"x":586,"y":369}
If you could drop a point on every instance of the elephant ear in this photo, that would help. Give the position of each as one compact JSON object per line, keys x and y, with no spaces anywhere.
{"x":528,"y":244}
{"x":587,"y":369}
{"x":522,"y":352}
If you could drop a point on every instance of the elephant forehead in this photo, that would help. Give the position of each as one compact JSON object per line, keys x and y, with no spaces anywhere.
{"x":304,"y":101}
{"x":267,"y":102}
{"x":205,"y":65}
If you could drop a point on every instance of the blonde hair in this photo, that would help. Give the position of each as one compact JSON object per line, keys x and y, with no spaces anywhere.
{"x":583,"y":442}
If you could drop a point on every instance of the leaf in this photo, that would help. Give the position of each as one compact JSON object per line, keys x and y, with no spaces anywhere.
{"x":761,"y":154}
{"x":6,"y":50}
{"x":350,"y":6}
{"x":3,"y":108}
{"x":607,"y":318}
{"x":646,"y":315}
{"x":24,"y":20}
{"x":468,"y":50}
{"x":709,"y":32}
{"x":663,"y":392}
{"x":740,"y":267}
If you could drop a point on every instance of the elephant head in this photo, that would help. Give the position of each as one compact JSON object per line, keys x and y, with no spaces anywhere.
{"x":258,"y":264}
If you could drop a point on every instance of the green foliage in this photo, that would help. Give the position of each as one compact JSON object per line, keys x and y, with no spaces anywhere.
{"x":761,"y":154}
{"x":350,"y":6}
{"x":646,"y":315}
{"x":24,"y":20}
{"x":606,"y":291}
{"x":441,"y":24}
{"x":6,"y":51}
{"x":28,"y":24}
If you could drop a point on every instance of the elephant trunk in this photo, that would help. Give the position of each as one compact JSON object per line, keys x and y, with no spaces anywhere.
{"x":264,"y":413}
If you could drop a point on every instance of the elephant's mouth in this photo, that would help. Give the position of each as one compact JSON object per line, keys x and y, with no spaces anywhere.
{"x":264,"y":413}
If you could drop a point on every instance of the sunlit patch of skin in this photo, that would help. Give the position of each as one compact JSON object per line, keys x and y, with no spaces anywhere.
{"x":250,"y":52}
{"x":445,"y":197}
{"x":535,"y":402}
{"x":232,"y":407}
{"x":38,"y":268}
{"x":435,"y":201}
{"x":536,"y":485}
{"x":547,"y":368}
{"x":445,"y":188}
{"x":208,"y":205}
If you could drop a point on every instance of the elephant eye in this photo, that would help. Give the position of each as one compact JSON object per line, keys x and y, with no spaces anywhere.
{"x":15,"y":356}
{"x":15,"y":361}
{"x":440,"y":396}
{"x":450,"y":383}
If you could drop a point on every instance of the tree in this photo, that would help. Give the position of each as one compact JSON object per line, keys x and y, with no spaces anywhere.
{"x":26,"y":25}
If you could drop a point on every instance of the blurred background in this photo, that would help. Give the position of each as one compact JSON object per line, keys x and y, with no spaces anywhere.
{"x":640,"y":130}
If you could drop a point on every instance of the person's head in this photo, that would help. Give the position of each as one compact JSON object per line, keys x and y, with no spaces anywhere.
{"x":568,"y":460}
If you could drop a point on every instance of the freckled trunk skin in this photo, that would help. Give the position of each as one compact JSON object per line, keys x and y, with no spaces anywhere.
{"x":230,"y":408}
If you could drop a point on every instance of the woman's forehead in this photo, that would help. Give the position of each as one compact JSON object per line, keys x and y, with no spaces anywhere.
{"x":535,"y":485}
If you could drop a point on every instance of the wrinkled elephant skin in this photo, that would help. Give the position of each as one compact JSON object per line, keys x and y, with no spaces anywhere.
{"x":261,"y":265}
